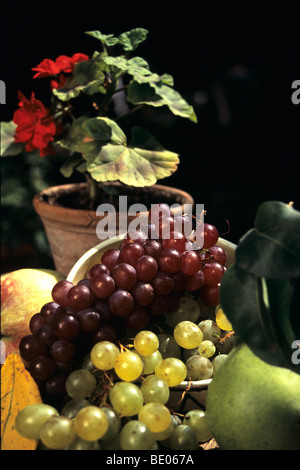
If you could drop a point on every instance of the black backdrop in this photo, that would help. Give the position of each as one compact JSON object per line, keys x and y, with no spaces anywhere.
{"x":237,"y":70}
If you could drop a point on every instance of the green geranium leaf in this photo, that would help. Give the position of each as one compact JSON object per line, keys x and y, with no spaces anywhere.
{"x":259,"y":312}
{"x":272,"y":248}
{"x":73,"y":162}
{"x":73,"y":135}
{"x":158,"y":94}
{"x":107,"y":39}
{"x":8,"y":147}
{"x":88,"y":77}
{"x":130,"y":164}
{"x":131,"y":39}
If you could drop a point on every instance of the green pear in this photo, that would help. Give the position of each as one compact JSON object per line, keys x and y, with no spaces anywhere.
{"x":251,"y":405}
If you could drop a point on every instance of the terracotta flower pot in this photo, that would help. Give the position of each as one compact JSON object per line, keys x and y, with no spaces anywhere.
{"x":71,"y":231}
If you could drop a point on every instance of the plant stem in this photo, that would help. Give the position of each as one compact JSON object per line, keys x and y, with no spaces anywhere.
{"x":93,"y":190}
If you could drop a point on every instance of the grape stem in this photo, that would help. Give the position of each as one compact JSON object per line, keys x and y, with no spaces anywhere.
{"x":183,"y":393}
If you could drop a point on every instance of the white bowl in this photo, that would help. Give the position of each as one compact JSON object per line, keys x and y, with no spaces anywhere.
{"x":197,"y":389}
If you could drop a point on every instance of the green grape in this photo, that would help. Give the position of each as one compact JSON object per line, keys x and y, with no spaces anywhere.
{"x":199,"y":368}
{"x":30,"y":420}
{"x":128,"y":366}
{"x":135,"y":435}
{"x":207,"y":348}
{"x":210,"y":330}
{"x":188,"y":309}
{"x":187,"y":334}
{"x":196,"y":419}
{"x":80,"y":383}
{"x":218,"y":361}
{"x":175,"y":422}
{"x":183,"y":438}
{"x":58,"y":432}
{"x":163,"y":435}
{"x":91,"y":423}
{"x":146,"y":343}
{"x":80,"y":444}
{"x":156,"y":416}
{"x":155,"y":389}
{"x":104,"y":354}
{"x":71,"y":408}
{"x":126,"y":398}
{"x":114,"y":424}
{"x":168,"y":346}
{"x":150,"y":362}
{"x":172,"y":370}
{"x":222,"y":321}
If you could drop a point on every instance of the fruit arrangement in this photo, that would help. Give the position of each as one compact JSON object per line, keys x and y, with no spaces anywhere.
{"x":106,"y":352}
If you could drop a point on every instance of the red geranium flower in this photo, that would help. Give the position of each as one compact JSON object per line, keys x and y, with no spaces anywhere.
{"x":35,"y":125}
{"x":63,"y":63}
{"x":46,"y":68}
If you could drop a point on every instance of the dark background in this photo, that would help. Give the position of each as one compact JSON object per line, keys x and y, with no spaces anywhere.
{"x":236,"y":69}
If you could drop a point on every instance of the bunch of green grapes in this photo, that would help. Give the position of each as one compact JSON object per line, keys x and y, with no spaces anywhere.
{"x":113,"y":404}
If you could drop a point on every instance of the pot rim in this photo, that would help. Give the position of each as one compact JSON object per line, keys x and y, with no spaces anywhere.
{"x":85,"y":217}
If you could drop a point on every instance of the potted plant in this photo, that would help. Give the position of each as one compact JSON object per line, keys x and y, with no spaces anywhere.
{"x":90,"y":97}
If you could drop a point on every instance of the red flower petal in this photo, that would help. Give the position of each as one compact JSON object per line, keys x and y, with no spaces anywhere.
{"x":46,"y":68}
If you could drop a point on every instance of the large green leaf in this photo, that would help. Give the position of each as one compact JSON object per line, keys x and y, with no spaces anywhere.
{"x":128,"y":40}
{"x":159,"y":94}
{"x":259,"y":312}
{"x":150,"y":88}
{"x":272,"y":248}
{"x":131,"y":39}
{"x":88,"y":77}
{"x":8,"y":147}
{"x":131,"y":164}
{"x":107,"y":39}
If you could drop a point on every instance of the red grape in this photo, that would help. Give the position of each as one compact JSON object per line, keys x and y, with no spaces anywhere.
{"x":36,"y":321}
{"x":110,"y":258}
{"x":213,"y":273}
{"x":146,"y":268}
{"x":46,"y":336}
{"x":60,"y":292}
{"x":217,"y":254}
{"x":125,"y":276}
{"x":152,"y":248}
{"x":80,"y":297}
{"x":105,"y":333}
{"x":176,"y":241}
{"x":103,"y":286}
{"x":211,"y":235}
{"x":191,"y":262}
{"x":89,"y":320}
{"x":49,"y":311}
{"x":62,"y":351}
{"x":66,"y":327}
{"x":170,"y":260}
{"x":97,"y":269}
{"x":194,"y":282}
{"x":162,"y":283}
{"x":143,"y":294}
{"x":121,"y":303}
{"x":131,"y":252}
{"x":30,"y":347}
{"x":157,"y":211}
{"x":42,"y":368}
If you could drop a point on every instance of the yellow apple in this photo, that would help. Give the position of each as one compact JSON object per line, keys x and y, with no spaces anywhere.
{"x":23,"y":293}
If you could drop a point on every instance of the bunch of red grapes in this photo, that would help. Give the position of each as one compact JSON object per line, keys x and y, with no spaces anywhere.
{"x":143,"y":278}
